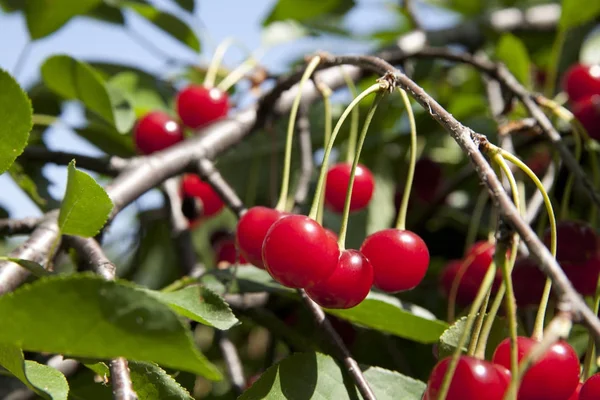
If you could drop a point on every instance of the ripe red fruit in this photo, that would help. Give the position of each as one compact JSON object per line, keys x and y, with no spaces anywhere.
{"x":584,"y":276}
{"x":470,"y":280}
{"x":156,"y":131}
{"x":581,"y":81}
{"x":251,"y":231}
{"x":473,"y":379}
{"x":576,"y":241}
{"x":427,"y":179}
{"x":399,"y":258}
{"x":225,"y":251}
{"x":528,"y":282}
{"x":554,"y":377}
{"x":587,"y":111}
{"x":338,"y":178}
{"x":298,"y":253}
{"x":348,"y":285}
{"x":591,"y":388}
{"x":575,"y":394}
{"x":198,"y":105}
{"x":210,"y":202}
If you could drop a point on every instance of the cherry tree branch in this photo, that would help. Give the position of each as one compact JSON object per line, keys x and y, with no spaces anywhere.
{"x":109,"y":165}
{"x":208,"y":172}
{"x":10,"y":226}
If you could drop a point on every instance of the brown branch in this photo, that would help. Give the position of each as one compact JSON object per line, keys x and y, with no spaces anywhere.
{"x":10,"y":226}
{"x":111,"y":165}
{"x":208,"y":172}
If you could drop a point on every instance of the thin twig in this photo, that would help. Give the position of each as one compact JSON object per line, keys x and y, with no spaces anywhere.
{"x":10,"y":226}
{"x":111,"y":165}
{"x":232,"y":361}
{"x":208,"y":172}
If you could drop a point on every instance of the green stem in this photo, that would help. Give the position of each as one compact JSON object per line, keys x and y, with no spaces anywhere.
{"x":287,"y":161}
{"x":478,"y":325}
{"x":213,"y":68}
{"x":590,"y":353}
{"x":237,"y":74}
{"x":326,"y":93}
{"x":43,"y":119}
{"x":361,"y":141}
{"x":351,"y":150}
{"x":319,"y":190}
{"x":489,"y":322}
{"x":476,"y":219}
{"x":401,"y":221}
{"x":485,"y":287}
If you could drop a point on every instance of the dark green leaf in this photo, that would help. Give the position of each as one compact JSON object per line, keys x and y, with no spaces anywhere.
{"x":152,"y":382}
{"x":140,"y":91}
{"x":187,"y":5}
{"x":44,"y":380}
{"x":512,"y":52}
{"x":199,"y":304}
{"x":33,"y":267}
{"x":15,"y":120}
{"x":167,"y":22}
{"x":106,"y":13}
{"x":578,"y":12}
{"x":85,"y":207}
{"x":45,"y":17}
{"x":73,"y":79}
{"x":290,"y":9}
{"x":107,"y":139}
{"x":99,"y":319}
{"x":11,"y":5}
{"x":317,"y":376}
{"x":387,"y":314}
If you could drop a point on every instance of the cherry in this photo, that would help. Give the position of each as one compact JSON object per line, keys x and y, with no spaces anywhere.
{"x":349,"y":284}
{"x":528,"y":282}
{"x":156,"y":131}
{"x":554,"y":377}
{"x":225,"y":251}
{"x":473,"y":379}
{"x":251,"y":231}
{"x":427,"y":179}
{"x":591,"y":388}
{"x":576,"y":241}
{"x":194,"y":187}
{"x":198,"y":105}
{"x":576,"y":394}
{"x":587,"y":111}
{"x":332,"y":234}
{"x":298,"y":253}
{"x":581,"y":81}
{"x":338,"y":178}
{"x":399,"y":258}
{"x":584,"y":276}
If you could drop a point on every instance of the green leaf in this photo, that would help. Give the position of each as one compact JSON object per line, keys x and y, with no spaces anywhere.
{"x":99,"y":319}
{"x":513,"y":53}
{"x":152,"y":382}
{"x":15,"y":120}
{"x":107,"y":139}
{"x":73,"y":79}
{"x":106,"y":13}
{"x":42,"y":379}
{"x":199,"y":304}
{"x":386,"y":314}
{"x":44,"y":17}
{"x":187,"y":5}
{"x":33,"y":267}
{"x":140,"y":91}
{"x":577,"y":12}
{"x":290,"y":9}
{"x":317,"y":376}
{"x":167,"y":23}
{"x":24,"y":181}
{"x":85,"y":207}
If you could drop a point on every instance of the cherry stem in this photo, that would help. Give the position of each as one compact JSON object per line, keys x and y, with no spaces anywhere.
{"x":478,"y":325}
{"x":351,"y":150}
{"x":43,"y":119}
{"x":215,"y":63}
{"x":323,"y":172}
{"x":287,"y":161}
{"x":359,"y":146}
{"x":476,"y":219}
{"x":590,"y":353}
{"x":401,"y":222}
{"x":237,"y":74}
{"x":455,"y":285}
{"x":326,"y":93}
{"x":481,"y":294}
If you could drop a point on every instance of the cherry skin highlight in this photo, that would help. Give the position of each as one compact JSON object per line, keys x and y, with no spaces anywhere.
{"x":193,"y":186}
{"x":473,"y":379}
{"x":576,"y":241}
{"x":298,"y":253}
{"x":251,"y":231}
{"x":581,"y":81}
{"x":591,"y":388}
{"x":156,"y":131}
{"x":554,"y":377}
{"x":399,"y":258}
{"x":198,"y":105}
{"x":338,"y":178}
{"x":349,"y":284}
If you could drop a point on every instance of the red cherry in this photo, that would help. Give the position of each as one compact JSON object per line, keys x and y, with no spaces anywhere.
{"x":528,"y":282}
{"x":576,"y":242}
{"x":427,"y":179}
{"x":298,"y":253}
{"x":465,"y":293}
{"x":584,"y":277}
{"x":575,"y":395}
{"x":331,"y":234}
{"x":338,"y":178}
{"x":399,"y":258}
{"x":225,"y":251}
{"x":349,"y":284}
{"x":581,"y":81}
{"x":193,"y":186}
{"x":473,"y":379}
{"x":156,"y":131}
{"x":587,"y":111}
{"x":198,"y":105}
{"x":591,"y":388}
{"x":554,"y":377}
{"x":251,"y":231}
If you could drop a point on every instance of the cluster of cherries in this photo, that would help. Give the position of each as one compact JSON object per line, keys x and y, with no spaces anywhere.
{"x":555,"y":376}
{"x":582,"y":84}
{"x":196,"y":106}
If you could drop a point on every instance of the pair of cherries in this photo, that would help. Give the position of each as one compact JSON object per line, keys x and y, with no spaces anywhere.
{"x":299,"y":253}
{"x":582,"y":84}
{"x":555,"y":376}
